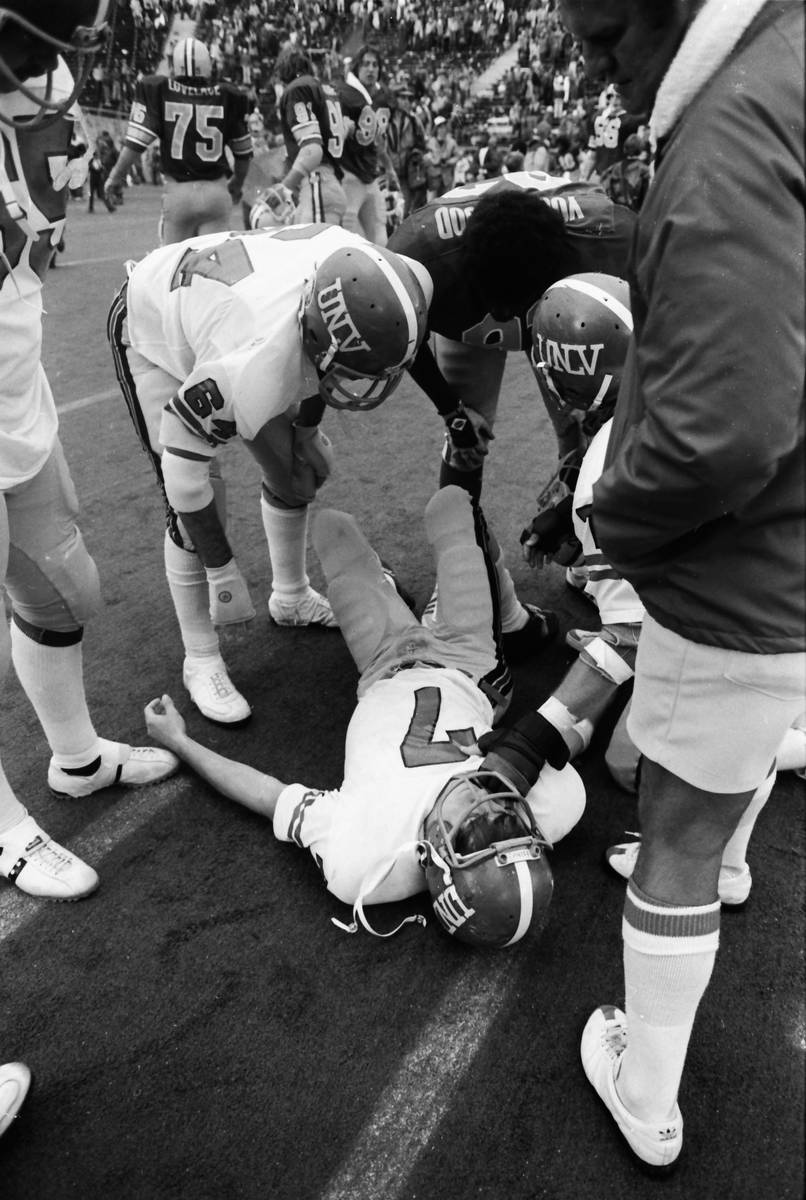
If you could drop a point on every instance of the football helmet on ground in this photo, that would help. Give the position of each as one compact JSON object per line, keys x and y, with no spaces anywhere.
{"x":191,"y":59}
{"x":363,"y":317}
{"x":485,"y":862}
{"x":580,"y":332}
{"x":32,"y":35}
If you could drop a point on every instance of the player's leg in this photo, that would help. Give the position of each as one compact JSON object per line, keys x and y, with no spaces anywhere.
{"x":146,"y":388}
{"x":354,"y":191}
{"x":475,"y":373}
{"x":321,"y":199}
{"x":708,"y":723}
{"x":374,"y":621}
{"x":467,"y":617}
{"x":53,"y":585}
{"x":285,"y":521}
{"x":373,"y":214}
{"x":214,"y":207}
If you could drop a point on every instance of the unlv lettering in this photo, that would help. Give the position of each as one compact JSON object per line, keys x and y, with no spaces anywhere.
{"x":567,"y":357}
{"x":339,"y":323}
{"x":452,"y":910}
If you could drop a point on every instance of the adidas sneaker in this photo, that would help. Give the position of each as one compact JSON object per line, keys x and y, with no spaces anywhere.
{"x":41,"y":867}
{"x":734,"y":882}
{"x":604,"y":1040}
{"x":213,"y":692}
{"x":308,"y":609}
{"x":133,"y":766}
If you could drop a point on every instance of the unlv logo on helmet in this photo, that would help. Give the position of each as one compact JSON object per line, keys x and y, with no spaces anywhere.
{"x":451,"y":909}
{"x":340,"y":324}
{"x":571,"y":357}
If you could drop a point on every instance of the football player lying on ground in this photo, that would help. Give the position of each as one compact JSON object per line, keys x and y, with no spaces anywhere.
{"x":491,"y":250}
{"x":591,"y":313}
{"x":420,"y":806}
{"x":252,"y":335}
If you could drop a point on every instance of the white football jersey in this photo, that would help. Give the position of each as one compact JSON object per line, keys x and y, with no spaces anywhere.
{"x":220,"y":314}
{"x":404,"y":742}
{"x":616,"y":599}
{"x":35,"y":170}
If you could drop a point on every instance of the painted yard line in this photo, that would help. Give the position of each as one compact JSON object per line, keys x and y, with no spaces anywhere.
{"x":118,"y":823}
{"x":412,"y":1105}
{"x":86,"y":401}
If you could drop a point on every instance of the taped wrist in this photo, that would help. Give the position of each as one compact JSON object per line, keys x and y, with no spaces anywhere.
{"x":460,"y":428}
{"x":524,"y":749}
{"x":602,"y":657}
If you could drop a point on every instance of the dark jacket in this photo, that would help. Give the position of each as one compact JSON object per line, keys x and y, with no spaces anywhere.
{"x":702,"y":502}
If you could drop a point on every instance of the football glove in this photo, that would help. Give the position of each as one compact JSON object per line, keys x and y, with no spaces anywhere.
{"x":313,"y":461}
{"x":550,"y":537}
{"x":274,"y":206}
{"x":230,"y":603}
{"x":469,"y":436}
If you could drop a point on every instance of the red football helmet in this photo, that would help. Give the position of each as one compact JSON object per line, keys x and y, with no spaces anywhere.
{"x":485,"y":862}
{"x":32,"y":33}
{"x":580,"y":332}
{"x":363,"y":317}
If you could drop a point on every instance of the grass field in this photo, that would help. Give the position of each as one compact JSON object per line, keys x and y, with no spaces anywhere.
{"x":199,"y":1028}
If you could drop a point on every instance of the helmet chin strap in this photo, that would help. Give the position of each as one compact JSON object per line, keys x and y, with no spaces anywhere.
{"x":369,"y":883}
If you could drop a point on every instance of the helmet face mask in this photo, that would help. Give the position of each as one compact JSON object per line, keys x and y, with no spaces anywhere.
{"x":580,"y":332}
{"x":362,"y":317}
{"x":31,"y":37}
{"x":485,"y":862}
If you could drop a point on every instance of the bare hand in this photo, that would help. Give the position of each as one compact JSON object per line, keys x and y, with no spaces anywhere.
{"x":164,"y":722}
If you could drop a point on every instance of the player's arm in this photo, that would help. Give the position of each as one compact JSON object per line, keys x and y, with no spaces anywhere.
{"x":468,"y":431}
{"x":116,"y":178}
{"x":230,"y":778}
{"x":142,"y":130}
{"x":242,"y":148}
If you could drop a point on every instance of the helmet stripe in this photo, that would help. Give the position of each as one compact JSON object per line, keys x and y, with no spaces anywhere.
{"x":527,"y":901}
{"x":597,"y":293}
{"x":399,"y":288}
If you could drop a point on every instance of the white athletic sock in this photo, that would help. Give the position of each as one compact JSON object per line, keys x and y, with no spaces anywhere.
{"x":669,"y":954}
{"x":287,"y":537}
{"x":187,"y":582}
{"x":53,"y":680}
{"x":11,"y":811}
{"x":513,"y":614}
{"x":735,"y":853}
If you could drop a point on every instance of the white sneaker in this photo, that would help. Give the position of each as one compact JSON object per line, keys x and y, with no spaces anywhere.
{"x":429,"y":617}
{"x":309,"y":609}
{"x":15,"y":1080}
{"x":734,"y":882}
{"x":604,"y":1040}
{"x":41,"y":867}
{"x":133,"y":766}
{"x":213,"y":692}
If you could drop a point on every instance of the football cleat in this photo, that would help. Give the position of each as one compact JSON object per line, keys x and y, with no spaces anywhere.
{"x":309,"y":609}
{"x":734,"y":882}
{"x":41,"y":867}
{"x":132,"y":766}
{"x":541,"y":628}
{"x":213,"y":692}
{"x":15,"y":1081}
{"x":604,"y":1040}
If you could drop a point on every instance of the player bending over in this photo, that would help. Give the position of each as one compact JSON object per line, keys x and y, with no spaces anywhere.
{"x":251,"y":336}
{"x":420,"y":807}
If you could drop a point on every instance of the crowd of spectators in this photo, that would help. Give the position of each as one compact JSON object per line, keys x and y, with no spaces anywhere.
{"x":540,"y":113}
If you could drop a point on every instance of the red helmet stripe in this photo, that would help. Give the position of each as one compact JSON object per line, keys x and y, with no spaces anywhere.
{"x":607,"y":299}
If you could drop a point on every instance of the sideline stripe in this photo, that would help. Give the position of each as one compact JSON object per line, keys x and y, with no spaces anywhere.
{"x":86,"y":401}
{"x":118,"y":823}
{"x":412,"y":1105}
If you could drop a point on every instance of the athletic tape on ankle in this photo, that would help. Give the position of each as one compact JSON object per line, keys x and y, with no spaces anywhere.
{"x":607,"y":661}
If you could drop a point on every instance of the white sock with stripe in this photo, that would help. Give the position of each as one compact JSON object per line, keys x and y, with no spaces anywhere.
{"x":669,"y":954}
{"x":513,"y":615}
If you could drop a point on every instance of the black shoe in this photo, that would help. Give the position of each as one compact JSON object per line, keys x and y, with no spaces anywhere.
{"x":541,"y":628}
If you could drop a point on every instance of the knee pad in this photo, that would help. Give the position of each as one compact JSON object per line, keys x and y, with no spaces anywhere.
{"x":449,"y":519}
{"x":604,"y":658}
{"x":59,"y":592}
{"x":341,"y":546}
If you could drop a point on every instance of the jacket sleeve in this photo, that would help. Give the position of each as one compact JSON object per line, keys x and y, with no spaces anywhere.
{"x":713,"y":384}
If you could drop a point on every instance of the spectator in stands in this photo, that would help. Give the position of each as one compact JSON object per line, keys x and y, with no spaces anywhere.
{"x":441,"y":157}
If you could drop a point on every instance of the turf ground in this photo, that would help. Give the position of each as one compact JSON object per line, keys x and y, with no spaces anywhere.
{"x":199,"y":1028}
